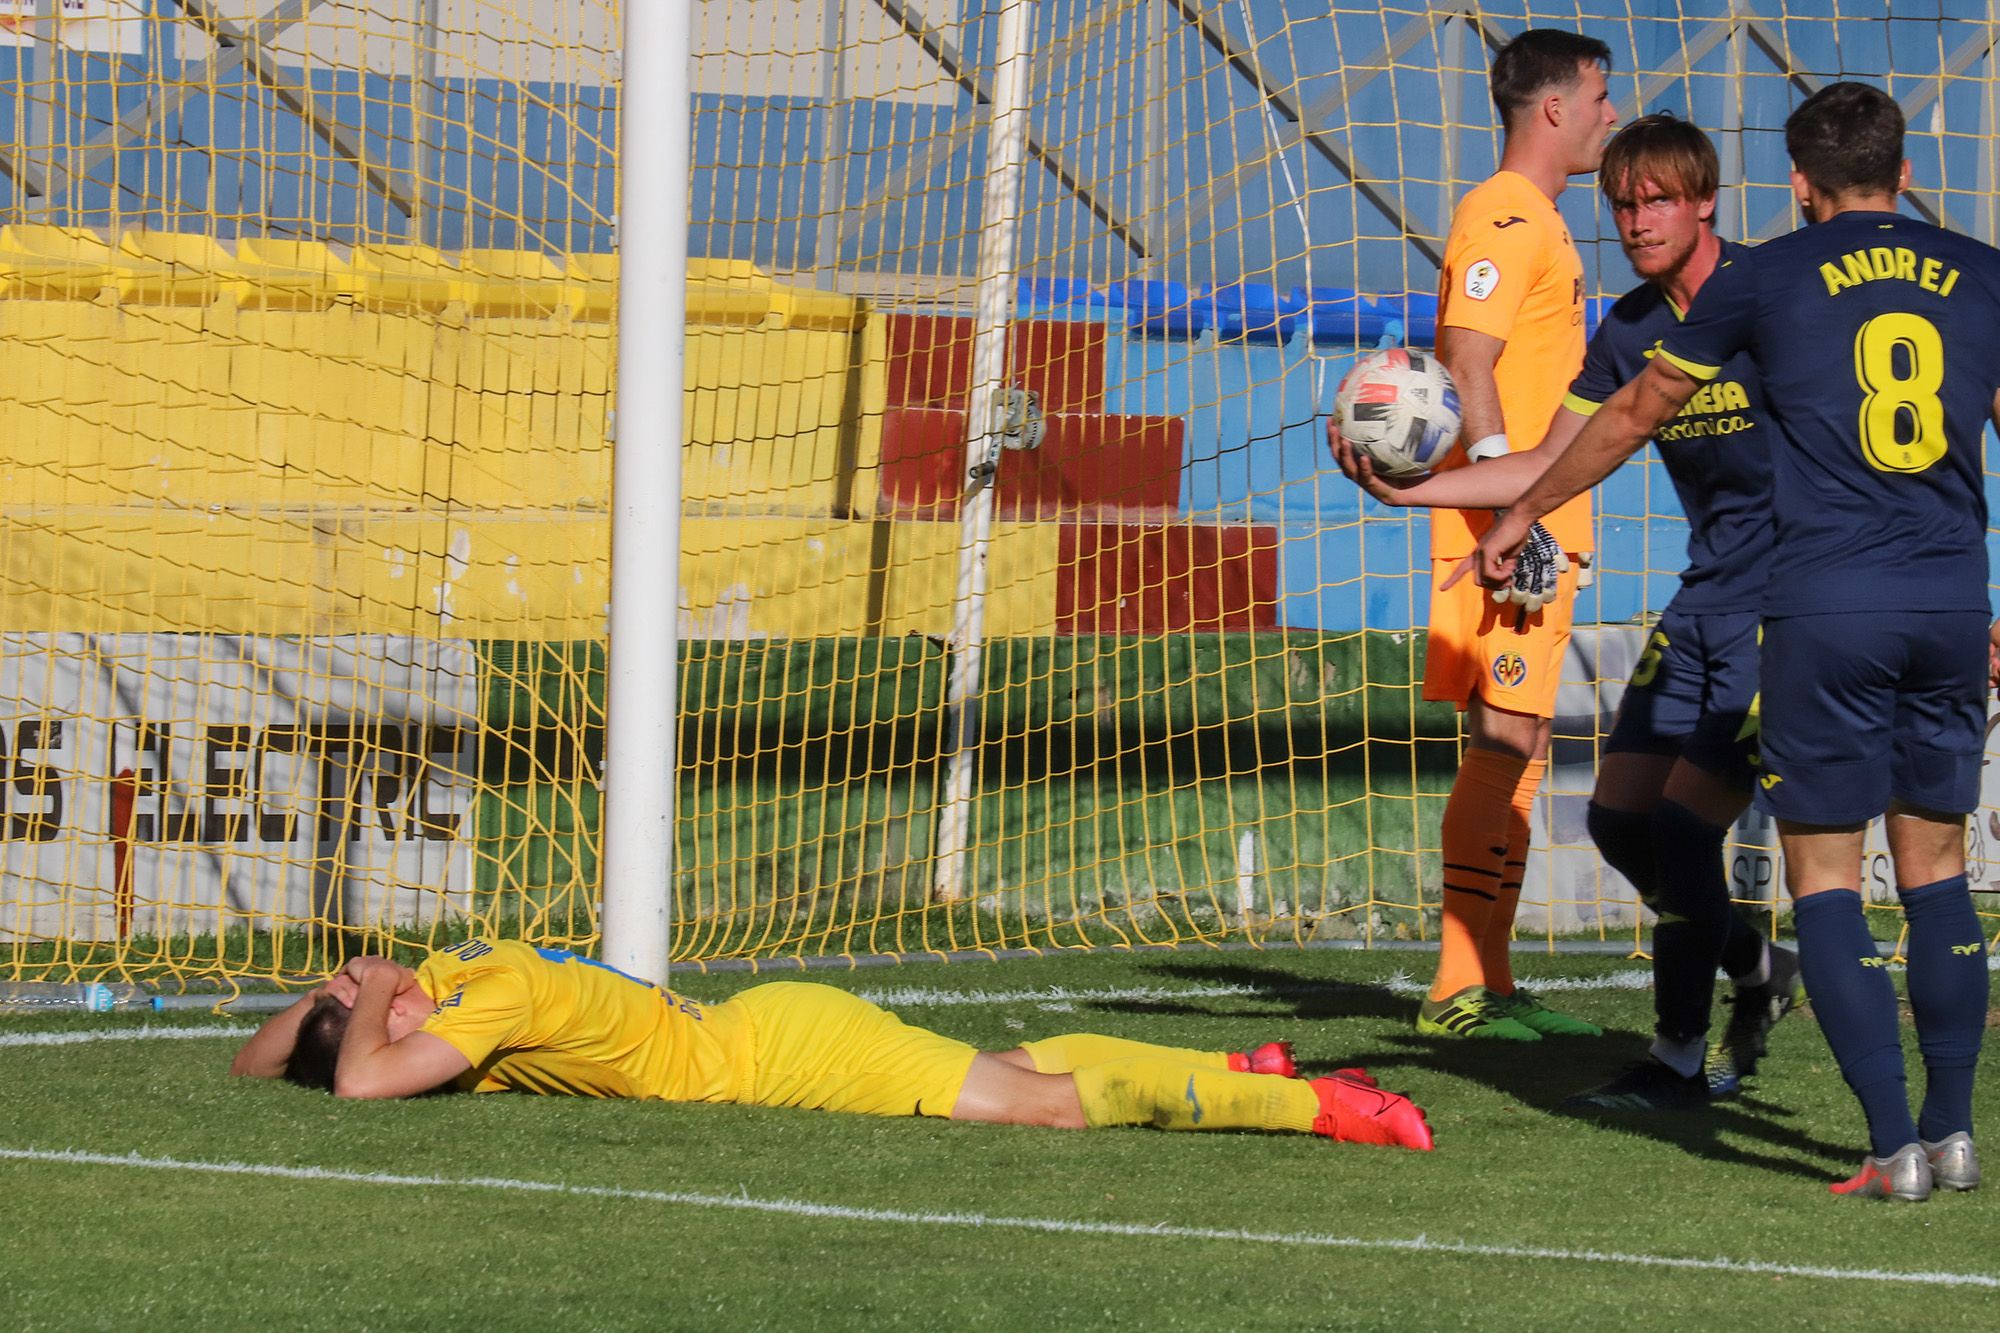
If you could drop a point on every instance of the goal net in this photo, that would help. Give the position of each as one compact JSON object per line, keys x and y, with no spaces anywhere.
{"x":308,"y":324}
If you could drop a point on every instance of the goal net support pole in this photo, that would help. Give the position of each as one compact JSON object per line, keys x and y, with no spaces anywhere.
{"x":643,"y":668}
{"x":1000,"y":220}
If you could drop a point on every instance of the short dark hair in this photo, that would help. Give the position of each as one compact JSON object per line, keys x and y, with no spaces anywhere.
{"x":1538,"y":60}
{"x":316,"y":1053}
{"x":1662,"y":148}
{"x":1848,"y":137}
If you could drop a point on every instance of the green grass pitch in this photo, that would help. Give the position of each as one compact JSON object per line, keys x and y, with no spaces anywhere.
{"x":430,"y":1214}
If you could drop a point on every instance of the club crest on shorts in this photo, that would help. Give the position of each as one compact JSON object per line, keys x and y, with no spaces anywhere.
{"x":1511,"y":670}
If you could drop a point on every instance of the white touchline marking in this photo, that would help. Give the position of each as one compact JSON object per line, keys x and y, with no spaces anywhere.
{"x":1054,"y":999}
{"x":120,"y":1034}
{"x":914,"y":997}
{"x":1151,"y":1231}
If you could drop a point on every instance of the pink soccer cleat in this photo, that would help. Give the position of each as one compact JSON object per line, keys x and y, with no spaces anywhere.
{"x":1273,"y":1057}
{"x":1355,"y":1109}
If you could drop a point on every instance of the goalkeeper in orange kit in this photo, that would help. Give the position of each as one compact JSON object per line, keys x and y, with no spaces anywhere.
{"x":501,"y":1016}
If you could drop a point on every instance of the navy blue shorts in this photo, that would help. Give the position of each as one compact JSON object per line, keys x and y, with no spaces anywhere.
{"x":1691,"y":695}
{"x":1860,"y":707}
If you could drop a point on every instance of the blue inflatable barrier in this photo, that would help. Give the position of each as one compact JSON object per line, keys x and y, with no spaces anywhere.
{"x":1055,"y":293}
{"x":1254,"y":312}
{"x":1161,"y":309}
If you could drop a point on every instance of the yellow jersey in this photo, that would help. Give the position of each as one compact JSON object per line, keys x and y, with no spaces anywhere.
{"x":546,"y":1021}
{"x":1512,"y":271}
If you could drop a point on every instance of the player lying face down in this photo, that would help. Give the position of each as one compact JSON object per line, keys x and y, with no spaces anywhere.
{"x":497,"y":1016}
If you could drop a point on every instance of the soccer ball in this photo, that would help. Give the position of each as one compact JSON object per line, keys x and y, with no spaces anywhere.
{"x":1400,"y":408}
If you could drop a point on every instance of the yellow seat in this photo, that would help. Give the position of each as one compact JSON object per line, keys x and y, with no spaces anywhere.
{"x":406,"y":277}
{"x":727,"y":291}
{"x":809,"y":308}
{"x":595,"y":278}
{"x":524,"y":283}
{"x":281,"y":274}
{"x":55,"y":263}
{"x":172,"y":268}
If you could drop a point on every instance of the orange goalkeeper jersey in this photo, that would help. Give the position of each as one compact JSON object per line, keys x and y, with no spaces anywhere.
{"x":541,"y":1020}
{"x":1512,"y":271}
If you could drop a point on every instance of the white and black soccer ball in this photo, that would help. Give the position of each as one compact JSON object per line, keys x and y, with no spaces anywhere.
{"x":1400,"y":408}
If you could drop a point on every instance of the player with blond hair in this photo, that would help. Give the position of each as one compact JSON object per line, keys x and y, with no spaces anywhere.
{"x":1876,"y":336}
{"x":1675,"y":770}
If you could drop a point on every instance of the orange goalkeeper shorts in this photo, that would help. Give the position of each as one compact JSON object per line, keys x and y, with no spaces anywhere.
{"x":1509,"y":658}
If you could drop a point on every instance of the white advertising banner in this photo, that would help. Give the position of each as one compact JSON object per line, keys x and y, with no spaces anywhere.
{"x":107,"y":27}
{"x":163,"y":783}
{"x":1569,"y":888}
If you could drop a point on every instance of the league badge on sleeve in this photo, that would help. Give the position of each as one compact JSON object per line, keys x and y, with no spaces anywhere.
{"x":1481,"y":279}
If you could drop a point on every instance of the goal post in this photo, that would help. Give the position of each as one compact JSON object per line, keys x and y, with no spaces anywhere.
{"x":999,"y":221}
{"x":643,"y":665}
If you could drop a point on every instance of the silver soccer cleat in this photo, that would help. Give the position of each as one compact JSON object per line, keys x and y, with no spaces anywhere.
{"x":1954,"y":1162}
{"x":1904,"y":1175}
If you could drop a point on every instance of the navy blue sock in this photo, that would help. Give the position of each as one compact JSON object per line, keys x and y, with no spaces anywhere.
{"x":1742,"y":946}
{"x":1624,"y":839}
{"x":1948,"y":986}
{"x":1695,"y":916}
{"x":1856,"y":1006}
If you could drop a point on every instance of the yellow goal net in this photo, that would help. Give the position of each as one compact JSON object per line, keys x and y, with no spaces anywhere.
{"x":307,"y":317}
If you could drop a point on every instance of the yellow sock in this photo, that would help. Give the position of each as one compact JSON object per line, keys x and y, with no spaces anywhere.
{"x":1172,"y":1094}
{"x":1072,"y":1051}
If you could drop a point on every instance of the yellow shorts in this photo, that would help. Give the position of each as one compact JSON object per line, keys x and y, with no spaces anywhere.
{"x":819,"y":1047}
{"x":1480,"y":647}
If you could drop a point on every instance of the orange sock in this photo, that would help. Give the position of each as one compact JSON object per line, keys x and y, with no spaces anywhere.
{"x":1495,"y":955}
{"x":1477,"y":832}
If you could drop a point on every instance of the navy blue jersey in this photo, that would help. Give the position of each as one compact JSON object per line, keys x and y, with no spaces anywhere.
{"x":1717,"y":451}
{"x":1878,"y":342}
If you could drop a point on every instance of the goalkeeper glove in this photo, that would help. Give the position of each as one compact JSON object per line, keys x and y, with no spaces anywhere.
{"x":1536,"y":572}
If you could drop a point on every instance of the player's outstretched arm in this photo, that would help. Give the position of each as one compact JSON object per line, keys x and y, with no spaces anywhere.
{"x":1619,"y":429}
{"x":1491,"y":483}
{"x":372,"y":1065}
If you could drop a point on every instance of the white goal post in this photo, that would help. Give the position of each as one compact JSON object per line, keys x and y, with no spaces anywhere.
{"x":641,"y":693}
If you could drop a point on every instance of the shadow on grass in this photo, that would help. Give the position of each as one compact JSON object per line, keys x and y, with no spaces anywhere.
{"x":1747,"y":1131}
{"x":1273,"y":984}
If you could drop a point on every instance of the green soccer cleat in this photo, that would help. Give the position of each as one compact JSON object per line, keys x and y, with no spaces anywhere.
{"x":1646,"y":1086}
{"x":1530,"y":1012}
{"x":1754,"y":1011}
{"x":1472,"y":1012}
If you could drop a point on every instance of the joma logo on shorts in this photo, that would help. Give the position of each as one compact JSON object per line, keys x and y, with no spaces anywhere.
{"x":1511,"y":670}
{"x":1872,"y":962}
{"x":1966,"y":950}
